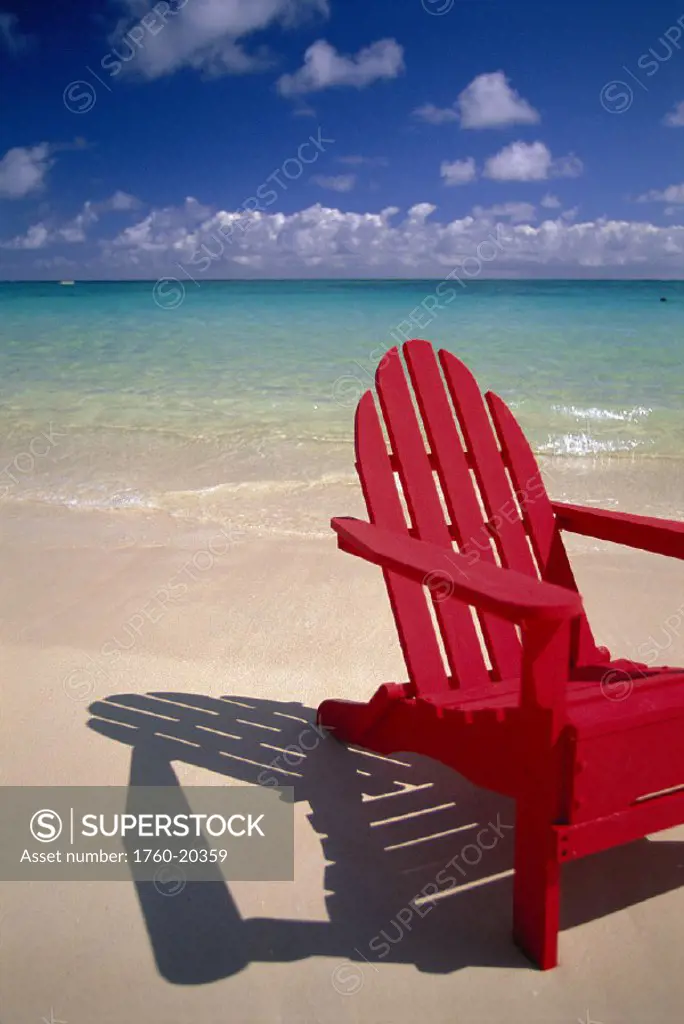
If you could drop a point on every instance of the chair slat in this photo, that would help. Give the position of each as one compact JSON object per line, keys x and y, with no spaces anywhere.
{"x":497,"y":496}
{"x":456,"y":624}
{"x":407,"y":598}
{"x":448,"y":457}
{"x":540,"y":521}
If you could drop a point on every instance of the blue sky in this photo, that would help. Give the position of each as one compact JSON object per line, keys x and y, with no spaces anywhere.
{"x":233,"y":138}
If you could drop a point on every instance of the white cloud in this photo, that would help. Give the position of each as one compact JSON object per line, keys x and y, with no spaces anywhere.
{"x":324,"y":240}
{"x":355,"y":160}
{"x":325,"y":68}
{"x":569,"y":166}
{"x":517,"y":213}
{"x":435,"y":115}
{"x":675,"y":119}
{"x":75,"y":230}
{"x":207,"y":36}
{"x":490,"y":102}
{"x":164,"y":230}
{"x":522,"y":161}
{"x":550,"y":202}
{"x":12,"y":39}
{"x":36,"y":237}
{"x":304,"y":110}
{"x":671,"y":194}
{"x":458,"y":172}
{"x":336,"y":182}
{"x":23,"y":170}
{"x":419,"y":212}
{"x":120,"y":202}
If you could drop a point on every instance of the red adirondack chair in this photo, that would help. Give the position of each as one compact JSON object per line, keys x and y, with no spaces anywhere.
{"x":518,"y":700}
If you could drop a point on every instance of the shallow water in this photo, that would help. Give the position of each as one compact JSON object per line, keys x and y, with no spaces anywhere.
{"x":246,"y":391}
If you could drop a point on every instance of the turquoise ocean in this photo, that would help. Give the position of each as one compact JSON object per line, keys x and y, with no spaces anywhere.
{"x":187,"y":400}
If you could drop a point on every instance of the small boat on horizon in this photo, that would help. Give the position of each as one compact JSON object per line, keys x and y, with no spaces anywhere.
{"x":67,"y":282}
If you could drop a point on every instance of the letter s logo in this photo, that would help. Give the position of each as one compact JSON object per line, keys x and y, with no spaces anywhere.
{"x":46,"y":826}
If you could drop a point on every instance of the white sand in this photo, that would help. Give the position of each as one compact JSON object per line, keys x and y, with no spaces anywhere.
{"x":288,"y":621}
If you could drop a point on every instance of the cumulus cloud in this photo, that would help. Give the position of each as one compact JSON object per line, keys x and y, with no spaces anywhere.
{"x":335,"y":182}
{"x":458,"y":172}
{"x":488,"y":102}
{"x":120,"y":202}
{"x":75,"y":230}
{"x":517,"y":213}
{"x":164,"y":230}
{"x":435,"y":115}
{"x":324,"y":240}
{"x":550,"y":202}
{"x":522,"y":161}
{"x":12,"y":39}
{"x":36,"y":237}
{"x":356,"y":160}
{"x":208,"y":36}
{"x":325,"y":68}
{"x":672,"y":194}
{"x":675,"y":118}
{"x":23,"y":170}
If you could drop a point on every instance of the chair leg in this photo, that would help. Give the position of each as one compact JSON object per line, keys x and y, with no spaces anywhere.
{"x":353,"y":722}
{"x":536,"y":888}
{"x":347,"y":720}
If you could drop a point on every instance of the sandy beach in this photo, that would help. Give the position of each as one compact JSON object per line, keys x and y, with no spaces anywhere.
{"x":229,"y":231}
{"x":268,"y":626}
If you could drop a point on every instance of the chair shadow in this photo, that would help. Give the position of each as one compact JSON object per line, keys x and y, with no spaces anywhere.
{"x":387,"y":826}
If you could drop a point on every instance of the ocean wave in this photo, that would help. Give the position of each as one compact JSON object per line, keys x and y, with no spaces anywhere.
{"x":167,"y":500}
{"x":286,"y":485}
{"x":106,"y":503}
{"x":584,"y":444}
{"x":633,"y":415}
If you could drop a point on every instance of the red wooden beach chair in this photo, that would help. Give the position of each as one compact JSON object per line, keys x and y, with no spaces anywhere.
{"x":506,"y":683}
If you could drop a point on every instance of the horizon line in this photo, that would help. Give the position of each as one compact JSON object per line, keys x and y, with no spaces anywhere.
{"x":290,"y":280}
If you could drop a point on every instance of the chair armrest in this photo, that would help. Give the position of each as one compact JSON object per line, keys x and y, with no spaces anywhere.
{"x":508,"y":594}
{"x":659,"y":536}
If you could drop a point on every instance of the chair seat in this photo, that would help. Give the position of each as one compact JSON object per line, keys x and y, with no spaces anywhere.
{"x":599,"y":697}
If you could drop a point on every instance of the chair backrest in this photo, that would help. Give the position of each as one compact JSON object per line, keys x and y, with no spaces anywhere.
{"x":458,"y":472}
